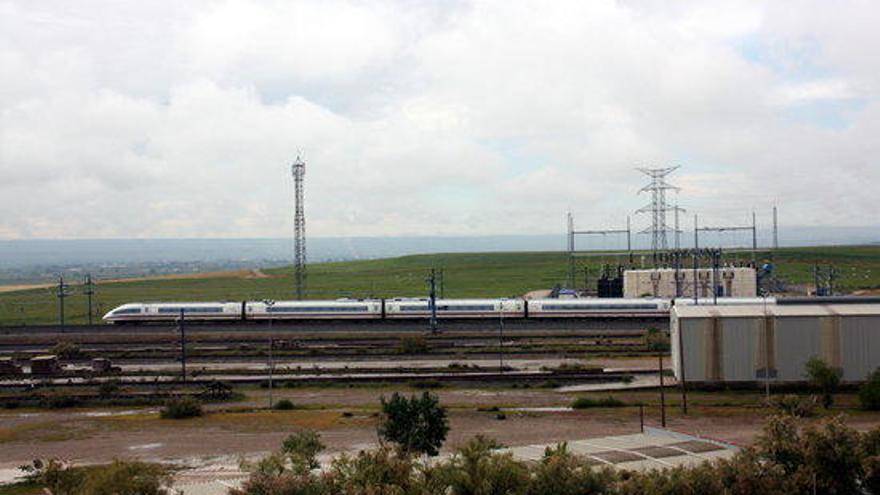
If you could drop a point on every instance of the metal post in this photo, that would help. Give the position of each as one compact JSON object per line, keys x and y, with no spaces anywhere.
{"x":662,"y":391}
{"x":433,"y":301}
{"x":182,"y":327}
{"x":271,"y":365}
{"x":715,"y":262}
{"x":754,"y":238}
{"x":501,"y":337}
{"x":681,"y":375}
{"x":62,"y":294}
{"x":642,"y":418}
{"x":628,"y":235}
{"x":696,"y":234}
{"x":766,"y":351}
{"x":89,"y":292}
{"x":696,"y":283}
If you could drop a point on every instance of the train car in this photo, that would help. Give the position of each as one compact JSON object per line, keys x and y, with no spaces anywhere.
{"x":580,"y":308}
{"x":455,"y":308}
{"x":344,"y":309}
{"x":196,"y":311}
{"x":723,"y":301}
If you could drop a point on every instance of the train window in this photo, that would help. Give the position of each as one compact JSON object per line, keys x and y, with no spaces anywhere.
{"x":316,"y":309}
{"x":414,"y":308}
{"x":465,"y":307}
{"x":127,"y":311}
{"x":192,"y":309}
{"x":595,"y":307}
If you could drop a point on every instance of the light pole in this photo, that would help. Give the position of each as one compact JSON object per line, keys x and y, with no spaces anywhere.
{"x":269,"y":303}
{"x":766,"y":348}
{"x":501,"y":337}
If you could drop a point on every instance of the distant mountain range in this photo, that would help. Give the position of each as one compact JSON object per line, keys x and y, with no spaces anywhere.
{"x":29,"y":254}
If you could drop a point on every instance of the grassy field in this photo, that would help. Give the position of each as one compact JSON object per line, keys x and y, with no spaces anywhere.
{"x":465,"y":275}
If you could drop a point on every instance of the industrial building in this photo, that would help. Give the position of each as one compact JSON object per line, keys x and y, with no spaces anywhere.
{"x":670,"y":283}
{"x":759,"y":342}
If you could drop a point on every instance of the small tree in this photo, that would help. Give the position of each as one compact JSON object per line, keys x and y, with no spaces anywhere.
{"x":302,"y":448}
{"x":869,"y":392}
{"x":823,"y":377}
{"x":181,"y":408}
{"x":418,"y":425}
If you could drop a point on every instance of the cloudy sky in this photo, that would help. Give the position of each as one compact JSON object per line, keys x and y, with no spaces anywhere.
{"x":180,"y":119}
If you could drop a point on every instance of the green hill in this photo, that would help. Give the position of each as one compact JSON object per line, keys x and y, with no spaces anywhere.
{"x":465,"y":275}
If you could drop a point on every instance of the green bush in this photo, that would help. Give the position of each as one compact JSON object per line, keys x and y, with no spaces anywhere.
{"x":181,"y":408}
{"x":59,"y":402}
{"x":116,"y":478}
{"x":802,"y":407}
{"x":302,"y":448}
{"x":587,"y":402}
{"x":284,"y":405}
{"x":824,"y":378}
{"x":413,"y":344}
{"x":426,"y":384}
{"x":869,"y":392}
{"x":108,"y":389}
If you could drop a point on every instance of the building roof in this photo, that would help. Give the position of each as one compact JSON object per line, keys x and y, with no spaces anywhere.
{"x":758,"y":310}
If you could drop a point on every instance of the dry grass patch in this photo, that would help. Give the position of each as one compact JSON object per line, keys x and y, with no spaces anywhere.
{"x":244,"y":421}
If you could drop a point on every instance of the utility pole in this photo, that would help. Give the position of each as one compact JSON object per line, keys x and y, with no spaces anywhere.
{"x":658,"y":207}
{"x":182,"y":326}
{"x":775,"y":230}
{"x":501,"y":337}
{"x":269,"y":303}
{"x":571,"y":267}
{"x":442,"y":285}
{"x":299,"y":228}
{"x":90,"y":290}
{"x":432,"y":301}
{"x":62,"y":293}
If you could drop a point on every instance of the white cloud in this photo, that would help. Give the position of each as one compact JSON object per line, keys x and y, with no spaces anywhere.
{"x":145,"y":119}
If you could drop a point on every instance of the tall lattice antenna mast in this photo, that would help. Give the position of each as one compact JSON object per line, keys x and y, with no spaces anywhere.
{"x":658,"y":207}
{"x":299,"y":227}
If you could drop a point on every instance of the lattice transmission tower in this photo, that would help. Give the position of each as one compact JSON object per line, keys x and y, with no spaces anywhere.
{"x":299,"y":228}
{"x":658,"y":207}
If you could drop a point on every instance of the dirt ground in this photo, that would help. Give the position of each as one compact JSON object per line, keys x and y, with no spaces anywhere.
{"x":347,"y":418}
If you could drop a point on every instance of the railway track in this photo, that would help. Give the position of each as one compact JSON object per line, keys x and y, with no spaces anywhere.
{"x":345,"y":326}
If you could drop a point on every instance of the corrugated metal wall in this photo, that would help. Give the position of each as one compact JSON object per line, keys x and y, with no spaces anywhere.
{"x":723,"y":348}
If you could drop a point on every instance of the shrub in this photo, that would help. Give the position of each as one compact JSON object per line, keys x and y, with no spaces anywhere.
{"x":67,"y":350}
{"x":801,"y":407}
{"x":417,"y":425}
{"x":562,"y":473}
{"x":869,"y":392}
{"x":380,"y":471}
{"x":587,"y":402}
{"x":413,"y":344}
{"x":107,"y":390}
{"x":426,"y":384}
{"x":302,"y":448}
{"x":825,"y":378}
{"x":284,"y":405}
{"x":476,"y":469}
{"x":116,"y":478}
{"x":181,"y":408}
{"x":59,"y":402}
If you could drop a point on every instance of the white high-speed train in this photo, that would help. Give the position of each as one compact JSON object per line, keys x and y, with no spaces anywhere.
{"x":387,"y":309}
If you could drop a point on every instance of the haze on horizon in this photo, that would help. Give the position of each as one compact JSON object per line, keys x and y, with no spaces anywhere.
{"x":165,"y":119}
